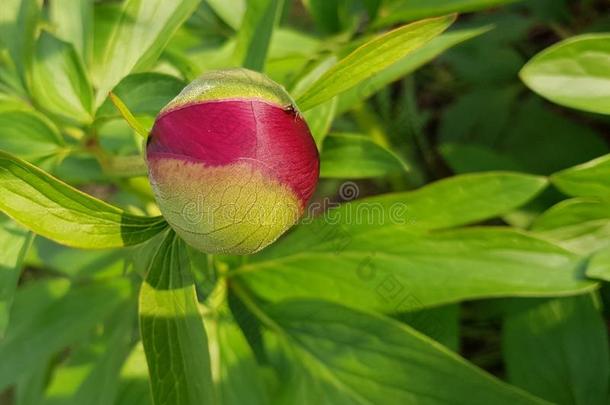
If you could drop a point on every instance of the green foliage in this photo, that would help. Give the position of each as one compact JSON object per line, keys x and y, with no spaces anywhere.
{"x":172,"y":329}
{"x":62,"y":213}
{"x":457,"y":249}
{"x":573,"y":73}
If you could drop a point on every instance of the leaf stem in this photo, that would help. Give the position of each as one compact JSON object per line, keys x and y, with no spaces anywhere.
{"x":128,"y":116}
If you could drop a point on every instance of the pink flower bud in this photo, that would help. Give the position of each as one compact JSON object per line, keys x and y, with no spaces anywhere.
{"x":232,"y":162}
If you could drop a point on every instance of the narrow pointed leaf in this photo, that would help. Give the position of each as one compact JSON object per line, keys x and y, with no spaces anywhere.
{"x":371,"y":58}
{"x":255,"y":32}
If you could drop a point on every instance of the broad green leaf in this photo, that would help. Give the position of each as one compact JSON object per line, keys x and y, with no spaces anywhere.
{"x":558,"y":350}
{"x":14,"y":244}
{"x":138,"y":38}
{"x":577,"y":224}
{"x":18,"y":23}
{"x":234,"y":369}
{"x":409,"y":10}
{"x":73,"y":22}
{"x":29,"y":135}
{"x":255,"y":32}
{"x":385,"y":239}
{"x":134,"y":387}
{"x":59,"y":212}
{"x":338,"y":355}
{"x":391,"y":267}
{"x":573,"y":73}
{"x":591,"y":179}
{"x":349,"y":156}
{"x":62,"y":321}
{"x":90,"y":375}
{"x":144,"y":93}
{"x":230,"y":11}
{"x":371,"y":58}
{"x":404,"y":66}
{"x":69,"y":95}
{"x":172,"y":329}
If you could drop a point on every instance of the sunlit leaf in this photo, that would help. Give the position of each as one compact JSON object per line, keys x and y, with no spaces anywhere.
{"x":138,"y":38}
{"x":172,"y":329}
{"x":573,"y":73}
{"x":591,"y":179}
{"x":59,"y":212}
{"x":372,"y":57}
{"x":69,"y":94}
{"x":73,"y":22}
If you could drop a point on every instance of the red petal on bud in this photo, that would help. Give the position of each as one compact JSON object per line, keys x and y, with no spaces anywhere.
{"x":222,"y":132}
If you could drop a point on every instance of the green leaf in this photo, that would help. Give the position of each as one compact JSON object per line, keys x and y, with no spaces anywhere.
{"x":599,"y":265}
{"x":59,"y":212}
{"x":254,"y":35}
{"x":393,"y":269}
{"x":138,"y":38}
{"x":172,"y":329}
{"x":580,"y":225}
{"x":90,"y":375}
{"x":409,"y":10}
{"x":128,"y":116}
{"x":591,"y":179}
{"x":558,"y":350}
{"x":404,"y":66}
{"x":69,"y":95}
{"x":371,"y":58}
{"x":325,"y":13}
{"x":143,"y":93}
{"x":383,"y":253}
{"x":134,"y":387}
{"x":337,"y":355}
{"x":320,"y":119}
{"x":573,"y":73}
{"x":72,"y":20}
{"x":348,"y":156}
{"x":14,"y":244}
{"x":234,"y":368}
{"x":29,"y":135}
{"x":230,"y":11}
{"x":18,"y":23}
{"x":52,"y":327}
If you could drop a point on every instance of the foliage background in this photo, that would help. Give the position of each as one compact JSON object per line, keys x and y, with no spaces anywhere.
{"x":501,"y":256}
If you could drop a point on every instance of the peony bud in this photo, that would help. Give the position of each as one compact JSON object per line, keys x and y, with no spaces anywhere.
{"x":232,"y":162}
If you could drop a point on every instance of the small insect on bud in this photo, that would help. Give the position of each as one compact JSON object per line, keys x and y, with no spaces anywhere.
{"x":232,"y":162}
